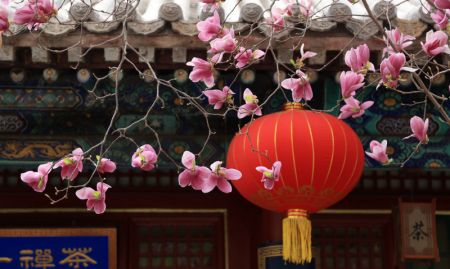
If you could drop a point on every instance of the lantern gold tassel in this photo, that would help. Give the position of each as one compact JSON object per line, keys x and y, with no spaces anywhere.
{"x":297,"y":237}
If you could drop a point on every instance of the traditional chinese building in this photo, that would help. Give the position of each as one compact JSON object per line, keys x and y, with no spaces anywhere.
{"x":46,"y":112}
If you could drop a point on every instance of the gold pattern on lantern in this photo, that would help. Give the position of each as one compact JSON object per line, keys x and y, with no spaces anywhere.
{"x":326,"y":192}
{"x":285,"y":190}
{"x":307,"y":190}
{"x":265,"y":194}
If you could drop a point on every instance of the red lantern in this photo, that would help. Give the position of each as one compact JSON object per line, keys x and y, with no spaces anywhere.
{"x":322,"y":160}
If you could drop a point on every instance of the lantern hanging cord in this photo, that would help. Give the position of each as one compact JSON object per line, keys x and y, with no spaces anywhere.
{"x":297,"y":237}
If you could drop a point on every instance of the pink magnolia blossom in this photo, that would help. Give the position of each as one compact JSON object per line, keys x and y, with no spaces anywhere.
{"x":435,"y":43}
{"x":244,"y":57}
{"x":276,"y":19}
{"x":227,"y":43}
{"x":300,"y":87}
{"x":144,"y":158}
{"x":306,"y":7}
{"x":4,"y":22}
{"x":419,"y":129}
{"x":71,"y":166}
{"x":306,"y":54}
{"x":209,"y":28}
{"x":353,"y":108}
{"x":300,"y":62}
{"x":359,"y":59}
{"x":106,"y":166}
{"x":220,"y":177}
{"x":378,"y":152}
{"x":442,"y":4}
{"x":250,"y":106}
{"x":34,"y":13}
{"x":193,"y":175}
{"x":440,"y":18}
{"x":350,"y":82}
{"x":95,"y":198}
{"x":399,"y":40}
{"x":219,"y":97}
{"x":270,"y":176}
{"x":37,"y":180}
{"x":202,"y":71}
{"x":390,"y":69}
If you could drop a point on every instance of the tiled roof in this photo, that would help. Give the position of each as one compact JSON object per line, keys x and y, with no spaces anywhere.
{"x":152,"y":16}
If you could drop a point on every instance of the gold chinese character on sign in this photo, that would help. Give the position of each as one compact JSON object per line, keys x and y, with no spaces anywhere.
{"x":43,"y":258}
{"x":77,"y":257}
{"x":5,"y":260}
{"x":26,"y":258}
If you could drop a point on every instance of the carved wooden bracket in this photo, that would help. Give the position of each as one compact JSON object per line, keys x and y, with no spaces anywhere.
{"x":320,"y":58}
{"x":112,"y":54}
{"x":39,"y":55}
{"x":74,"y":55}
{"x":284,"y":55}
{"x":148,"y":53}
{"x":7,"y":54}
{"x":179,"y":55}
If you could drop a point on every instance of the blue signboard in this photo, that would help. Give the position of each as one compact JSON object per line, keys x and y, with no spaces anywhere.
{"x":54,"y":252}
{"x":277,"y":262}
{"x":271,"y":257}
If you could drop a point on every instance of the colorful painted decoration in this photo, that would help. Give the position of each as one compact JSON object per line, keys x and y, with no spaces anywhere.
{"x":83,"y":75}
{"x":405,"y":79}
{"x":147,"y":76}
{"x":113,"y":75}
{"x":438,"y":80}
{"x":181,"y":76}
{"x":248,"y":76}
{"x":50,"y":75}
{"x":279,"y":76}
{"x":337,"y":77}
{"x":17,"y":75}
{"x":322,"y":160}
{"x":373,"y":77}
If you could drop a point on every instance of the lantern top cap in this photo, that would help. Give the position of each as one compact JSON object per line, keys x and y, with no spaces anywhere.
{"x":292,"y":105}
